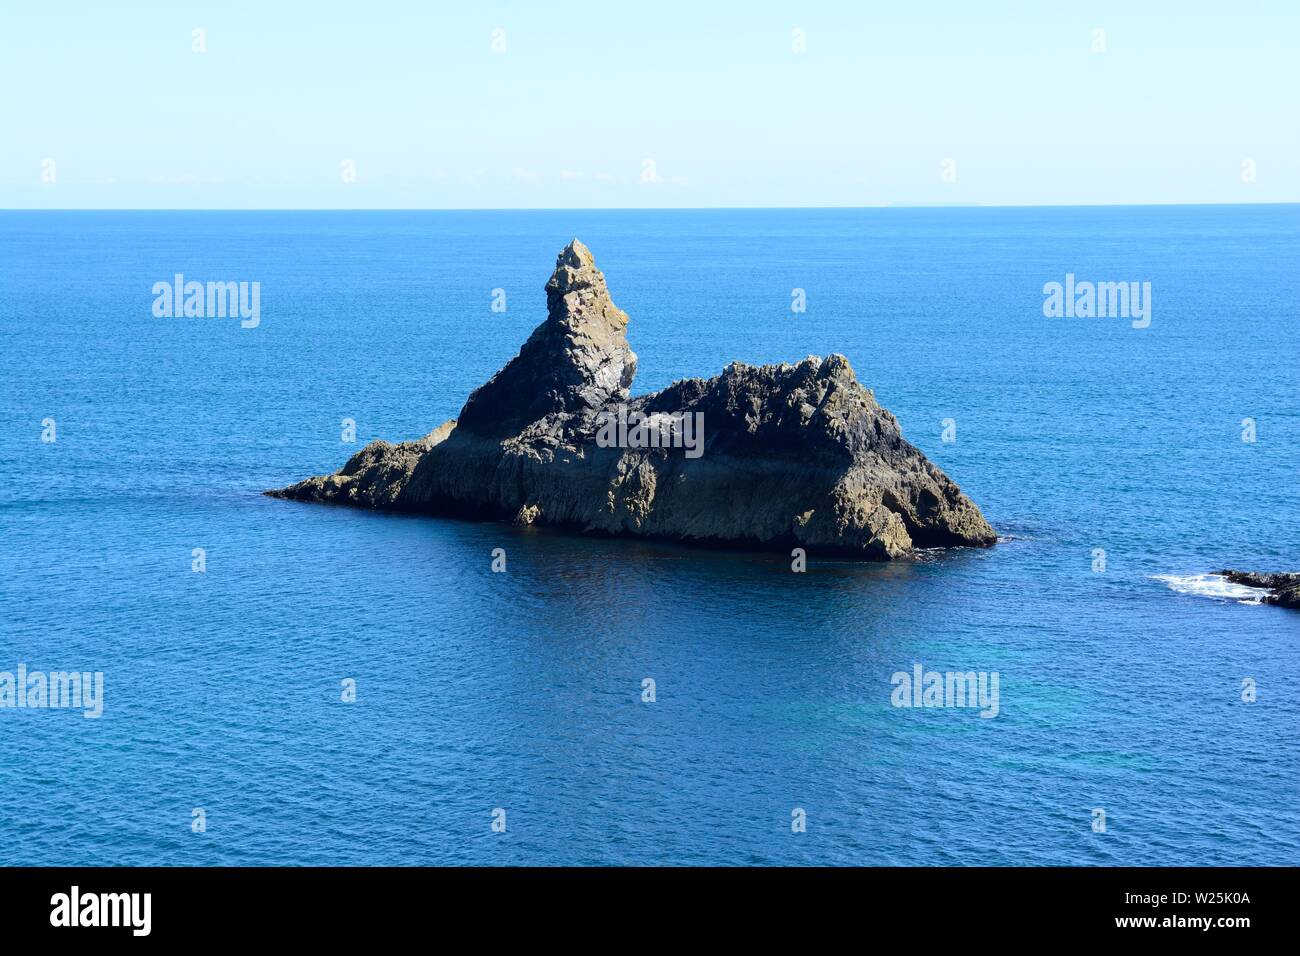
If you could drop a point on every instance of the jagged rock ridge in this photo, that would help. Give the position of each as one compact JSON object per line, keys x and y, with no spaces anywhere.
{"x":788,"y":455}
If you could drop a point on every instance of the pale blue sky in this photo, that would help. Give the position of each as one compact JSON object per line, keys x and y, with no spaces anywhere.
{"x":585,"y":92}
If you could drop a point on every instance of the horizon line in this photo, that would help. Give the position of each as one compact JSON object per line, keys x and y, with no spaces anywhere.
{"x":901,"y":205}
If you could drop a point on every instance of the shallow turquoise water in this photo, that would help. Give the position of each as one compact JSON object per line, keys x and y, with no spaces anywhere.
{"x":523,"y":690}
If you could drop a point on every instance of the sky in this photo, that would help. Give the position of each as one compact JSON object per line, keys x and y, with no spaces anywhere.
{"x":497,"y":104}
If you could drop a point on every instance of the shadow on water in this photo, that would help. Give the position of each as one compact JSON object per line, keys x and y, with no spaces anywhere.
{"x":561,"y":579}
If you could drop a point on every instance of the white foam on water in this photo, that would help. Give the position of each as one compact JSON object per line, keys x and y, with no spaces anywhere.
{"x":1212,"y":586}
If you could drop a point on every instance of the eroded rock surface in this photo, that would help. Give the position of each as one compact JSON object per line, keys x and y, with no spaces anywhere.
{"x":788,"y":455}
{"x":1284,"y":587}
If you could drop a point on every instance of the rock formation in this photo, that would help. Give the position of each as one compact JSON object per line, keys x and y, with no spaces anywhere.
{"x":1284,"y":587}
{"x":773,"y":457}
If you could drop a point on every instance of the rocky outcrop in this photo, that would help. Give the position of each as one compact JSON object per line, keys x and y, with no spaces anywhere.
{"x":777,"y":456}
{"x":1283,"y":587}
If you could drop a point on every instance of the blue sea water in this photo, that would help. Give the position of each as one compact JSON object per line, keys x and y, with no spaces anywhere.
{"x":1119,"y":690}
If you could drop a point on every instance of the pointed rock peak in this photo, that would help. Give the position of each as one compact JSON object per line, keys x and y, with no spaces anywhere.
{"x":837,"y":365}
{"x":575,"y":362}
{"x":575,"y":254}
{"x":575,"y":268}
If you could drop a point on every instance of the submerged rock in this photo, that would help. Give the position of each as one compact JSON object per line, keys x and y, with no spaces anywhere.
{"x":774,"y":456}
{"x":1284,"y":587}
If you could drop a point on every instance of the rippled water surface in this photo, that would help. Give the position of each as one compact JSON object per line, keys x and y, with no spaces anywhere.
{"x":1119,"y":689}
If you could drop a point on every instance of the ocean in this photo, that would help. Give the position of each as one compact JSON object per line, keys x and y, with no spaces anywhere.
{"x":1146,"y":713}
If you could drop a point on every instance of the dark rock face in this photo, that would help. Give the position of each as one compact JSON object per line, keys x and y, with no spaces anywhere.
{"x":1285,"y":587}
{"x":575,"y":362}
{"x":776,"y":456}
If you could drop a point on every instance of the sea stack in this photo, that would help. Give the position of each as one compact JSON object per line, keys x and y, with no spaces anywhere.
{"x":769,"y":457}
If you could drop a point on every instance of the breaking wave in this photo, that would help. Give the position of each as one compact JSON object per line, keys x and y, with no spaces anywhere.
{"x":1212,"y":586}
